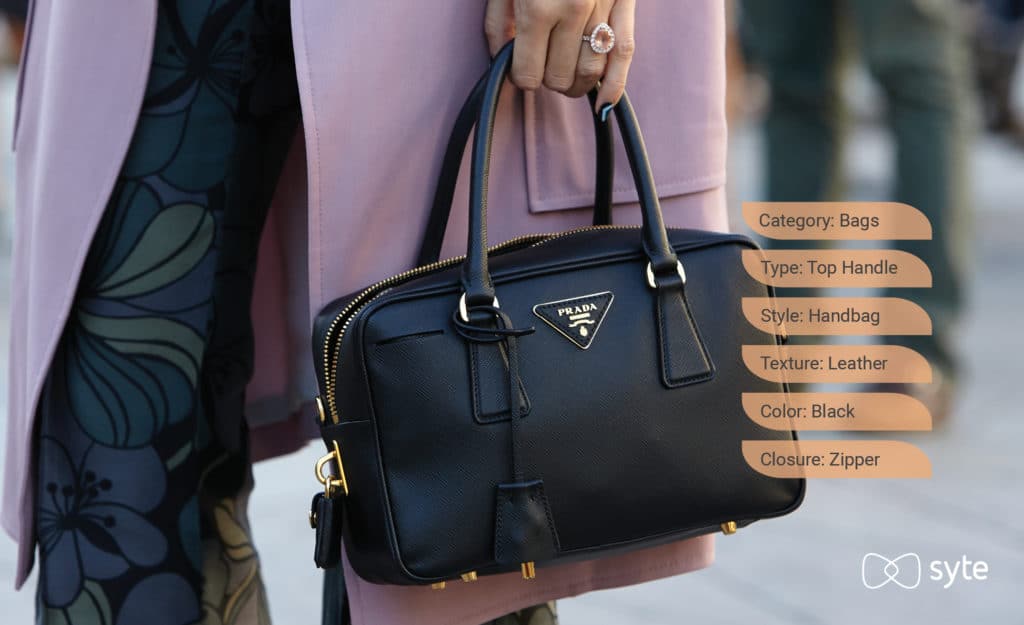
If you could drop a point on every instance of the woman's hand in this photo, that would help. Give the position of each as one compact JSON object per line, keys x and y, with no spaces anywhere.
{"x":550,"y":49}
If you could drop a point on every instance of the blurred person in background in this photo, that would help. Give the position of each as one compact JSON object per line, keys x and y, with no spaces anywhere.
{"x":998,"y":41}
{"x":14,"y":12}
{"x":916,"y":55}
{"x":12,"y":36}
{"x":735,"y":66}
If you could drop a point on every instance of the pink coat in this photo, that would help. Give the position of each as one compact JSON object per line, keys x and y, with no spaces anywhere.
{"x":351,"y":207}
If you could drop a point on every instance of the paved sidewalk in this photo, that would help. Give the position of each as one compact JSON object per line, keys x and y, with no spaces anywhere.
{"x":804,"y":569}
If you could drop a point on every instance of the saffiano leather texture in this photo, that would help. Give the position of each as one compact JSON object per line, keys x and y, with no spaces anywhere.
{"x":480,"y":429}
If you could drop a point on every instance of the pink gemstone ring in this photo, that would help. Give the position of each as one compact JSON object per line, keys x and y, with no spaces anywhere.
{"x":601,"y":39}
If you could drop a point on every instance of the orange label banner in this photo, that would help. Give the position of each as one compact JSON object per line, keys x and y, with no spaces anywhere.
{"x":837,"y":459}
{"x":837,"y":363}
{"x":836,"y":220}
{"x":837,"y":411}
{"x":835,"y":316}
{"x":837,"y":268}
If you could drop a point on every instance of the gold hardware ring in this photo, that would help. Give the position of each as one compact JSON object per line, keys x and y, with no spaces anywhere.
{"x":650,"y":274}
{"x":321,"y":413}
{"x":464,"y":313}
{"x":329,"y":482}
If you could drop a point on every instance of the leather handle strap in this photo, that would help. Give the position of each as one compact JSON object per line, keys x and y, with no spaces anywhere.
{"x":444,"y":194}
{"x":604,"y":141}
{"x":476,"y":280}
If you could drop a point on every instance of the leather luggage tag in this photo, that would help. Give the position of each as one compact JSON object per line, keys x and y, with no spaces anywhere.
{"x":326,"y":517}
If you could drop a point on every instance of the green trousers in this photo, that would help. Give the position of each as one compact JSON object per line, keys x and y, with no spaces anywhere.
{"x":916,"y":55}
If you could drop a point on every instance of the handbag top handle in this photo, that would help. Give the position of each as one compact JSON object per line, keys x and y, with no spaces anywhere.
{"x":478,"y":290}
{"x":437,"y":224}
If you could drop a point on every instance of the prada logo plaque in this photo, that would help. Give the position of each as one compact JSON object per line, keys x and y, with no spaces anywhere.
{"x":577,"y":318}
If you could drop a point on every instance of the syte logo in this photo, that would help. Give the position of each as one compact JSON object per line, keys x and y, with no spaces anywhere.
{"x":906,"y":571}
{"x":877,"y":570}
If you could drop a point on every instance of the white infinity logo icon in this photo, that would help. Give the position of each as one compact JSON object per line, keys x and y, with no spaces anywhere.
{"x":877,"y":570}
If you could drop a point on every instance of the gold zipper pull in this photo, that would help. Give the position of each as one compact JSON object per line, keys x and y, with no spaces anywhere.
{"x":321,"y":413}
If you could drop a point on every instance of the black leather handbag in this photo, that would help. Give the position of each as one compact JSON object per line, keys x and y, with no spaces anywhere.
{"x":554,"y":398}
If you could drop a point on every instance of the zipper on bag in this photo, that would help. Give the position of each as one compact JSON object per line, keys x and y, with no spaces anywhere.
{"x":341,"y":322}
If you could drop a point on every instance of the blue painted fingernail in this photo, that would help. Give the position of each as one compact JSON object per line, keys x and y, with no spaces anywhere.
{"x":605,"y":110}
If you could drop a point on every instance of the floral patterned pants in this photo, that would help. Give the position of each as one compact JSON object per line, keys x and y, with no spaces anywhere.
{"x":143,"y":466}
